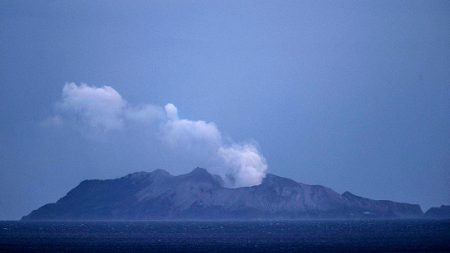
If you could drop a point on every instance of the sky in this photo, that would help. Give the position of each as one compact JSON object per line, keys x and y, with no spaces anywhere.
{"x":354,"y":95}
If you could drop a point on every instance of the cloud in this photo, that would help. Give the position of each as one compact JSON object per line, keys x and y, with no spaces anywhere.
{"x":184,"y":132}
{"x":171,"y":112}
{"x":246,"y":166}
{"x":92,"y":108}
{"x":97,"y":107}
{"x":144,"y":114}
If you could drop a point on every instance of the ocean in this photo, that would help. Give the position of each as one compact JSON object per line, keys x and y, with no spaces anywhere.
{"x":227,"y":236}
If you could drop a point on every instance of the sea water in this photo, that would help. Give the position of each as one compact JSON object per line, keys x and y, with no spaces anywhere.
{"x":229,"y":236}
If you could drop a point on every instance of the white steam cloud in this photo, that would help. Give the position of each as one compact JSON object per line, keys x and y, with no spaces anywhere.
{"x":96,"y":107}
{"x":104,"y":109}
{"x":100,"y":108}
{"x":246,"y":165}
{"x":177,"y":131}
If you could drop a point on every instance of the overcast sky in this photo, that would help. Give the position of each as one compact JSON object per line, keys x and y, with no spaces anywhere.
{"x":354,"y":95}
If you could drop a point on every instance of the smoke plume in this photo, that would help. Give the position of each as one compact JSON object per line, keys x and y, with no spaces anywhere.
{"x":104,"y":109}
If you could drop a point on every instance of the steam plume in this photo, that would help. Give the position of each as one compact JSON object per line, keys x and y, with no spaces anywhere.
{"x":103,"y":108}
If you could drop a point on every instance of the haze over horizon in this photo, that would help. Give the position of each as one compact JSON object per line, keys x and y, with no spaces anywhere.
{"x":350,"y":95}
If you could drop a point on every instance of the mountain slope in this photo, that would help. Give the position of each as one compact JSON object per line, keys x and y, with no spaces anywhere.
{"x":200,"y":195}
{"x":442,"y":212}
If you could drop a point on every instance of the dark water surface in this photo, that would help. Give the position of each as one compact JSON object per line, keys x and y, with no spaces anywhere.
{"x":267,"y":236}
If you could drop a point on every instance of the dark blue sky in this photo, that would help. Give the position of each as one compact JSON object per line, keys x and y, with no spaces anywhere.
{"x":354,"y":95}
